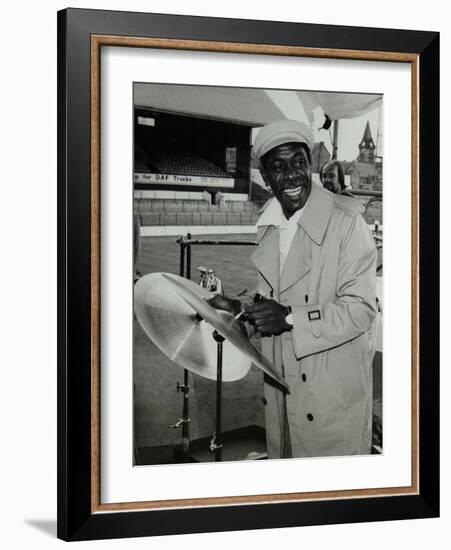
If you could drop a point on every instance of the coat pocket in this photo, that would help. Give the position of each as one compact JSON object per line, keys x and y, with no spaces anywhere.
{"x":348,"y":371}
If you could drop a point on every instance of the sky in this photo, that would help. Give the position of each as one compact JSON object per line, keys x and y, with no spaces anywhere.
{"x":350,"y":130}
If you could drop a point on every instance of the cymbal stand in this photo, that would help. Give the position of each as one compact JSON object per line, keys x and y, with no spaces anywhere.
{"x":216,"y":440}
{"x":184,"y":421}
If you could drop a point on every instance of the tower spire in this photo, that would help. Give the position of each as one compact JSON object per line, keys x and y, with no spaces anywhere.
{"x":367,"y":134}
{"x":366,"y":146}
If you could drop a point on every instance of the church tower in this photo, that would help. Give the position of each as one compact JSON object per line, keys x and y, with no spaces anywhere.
{"x":366,"y":146}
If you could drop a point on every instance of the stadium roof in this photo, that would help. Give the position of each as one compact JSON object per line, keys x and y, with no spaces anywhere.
{"x":240,"y":105}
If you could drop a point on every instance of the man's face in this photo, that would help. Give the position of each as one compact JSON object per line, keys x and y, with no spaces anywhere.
{"x":286,"y":170}
{"x":329,"y":178}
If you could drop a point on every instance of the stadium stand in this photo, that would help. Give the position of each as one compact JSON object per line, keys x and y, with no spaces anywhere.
{"x":156,"y":212}
{"x":175,"y":158}
{"x":183,"y":163}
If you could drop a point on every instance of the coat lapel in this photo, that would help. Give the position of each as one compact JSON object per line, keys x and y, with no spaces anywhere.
{"x":298,"y":262}
{"x":316,"y":215}
{"x":266,"y":257}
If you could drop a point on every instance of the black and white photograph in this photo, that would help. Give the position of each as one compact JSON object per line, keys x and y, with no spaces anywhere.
{"x":258,"y":273}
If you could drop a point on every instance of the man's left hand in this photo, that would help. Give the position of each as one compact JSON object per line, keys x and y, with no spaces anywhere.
{"x":268,"y":316}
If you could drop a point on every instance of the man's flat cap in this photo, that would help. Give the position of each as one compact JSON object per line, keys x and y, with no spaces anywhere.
{"x":280,"y":132}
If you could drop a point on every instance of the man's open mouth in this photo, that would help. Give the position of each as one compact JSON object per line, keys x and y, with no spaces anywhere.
{"x":293,"y":192}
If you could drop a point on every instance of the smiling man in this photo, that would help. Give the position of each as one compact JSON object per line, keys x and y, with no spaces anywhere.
{"x":316,"y":261}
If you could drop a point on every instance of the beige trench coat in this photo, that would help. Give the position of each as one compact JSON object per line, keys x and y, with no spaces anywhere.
{"x":329,"y":280}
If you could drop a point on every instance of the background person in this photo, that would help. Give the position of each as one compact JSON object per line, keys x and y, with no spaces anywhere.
{"x":333,"y":178}
{"x":214,"y":283}
{"x":202,"y":276}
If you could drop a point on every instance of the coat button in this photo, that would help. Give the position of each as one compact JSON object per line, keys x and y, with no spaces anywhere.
{"x":310,"y":417}
{"x":304,"y":378}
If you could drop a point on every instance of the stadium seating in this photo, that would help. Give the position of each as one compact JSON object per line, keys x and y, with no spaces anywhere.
{"x":246,"y":218}
{"x":206,"y":218}
{"x":184,"y":218}
{"x":197,"y":218}
{"x":168,"y":218}
{"x":183,"y":208}
{"x":238,"y":206}
{"x":154,"y":212}
{"x":233,"y":218}
{"x":219,"y":218}
{"x":182,"y":163}
{"x":150,"y":218}
{"x":173,"y":205}
{"x":176,"y":205}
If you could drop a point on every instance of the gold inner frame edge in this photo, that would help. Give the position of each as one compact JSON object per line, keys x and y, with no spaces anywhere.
{"x":97,"y":41}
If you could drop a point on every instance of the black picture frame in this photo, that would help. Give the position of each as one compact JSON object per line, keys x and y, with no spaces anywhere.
{"x":77,"y":520}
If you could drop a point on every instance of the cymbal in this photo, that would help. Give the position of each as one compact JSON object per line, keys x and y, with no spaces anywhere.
{"x":173,"y":326}
{"x":168,"y":308}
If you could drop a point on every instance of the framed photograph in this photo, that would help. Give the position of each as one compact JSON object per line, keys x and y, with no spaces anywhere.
{"x":248,"y":274}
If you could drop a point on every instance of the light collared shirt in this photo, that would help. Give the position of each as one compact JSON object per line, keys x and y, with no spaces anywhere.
{"x":273,"y":215}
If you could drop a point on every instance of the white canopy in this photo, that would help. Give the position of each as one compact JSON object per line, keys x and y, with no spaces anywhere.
{"x":339,"y":105}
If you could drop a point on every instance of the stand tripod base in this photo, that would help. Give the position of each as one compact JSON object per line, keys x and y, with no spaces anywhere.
{"x":248,"y":443}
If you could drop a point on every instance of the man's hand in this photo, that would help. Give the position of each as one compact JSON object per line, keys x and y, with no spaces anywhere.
{"x":268,"y":316}
{"x":226,"y":304}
